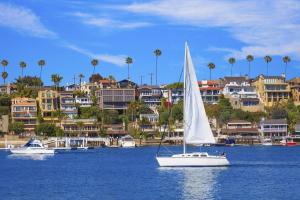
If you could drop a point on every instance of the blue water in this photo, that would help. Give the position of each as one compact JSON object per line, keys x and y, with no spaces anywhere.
{"x":110,"y":173}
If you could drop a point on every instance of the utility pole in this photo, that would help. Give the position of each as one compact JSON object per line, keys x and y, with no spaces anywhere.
{"x":142,"y":80}
{"x":74,"y":80}
{"x":151,"y":75}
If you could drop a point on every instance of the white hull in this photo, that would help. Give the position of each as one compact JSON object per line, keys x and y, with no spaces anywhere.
{"x":189,"y":160}
{"x":31,"y":151}
{"x":128,"y":144}
{"x":267,"y":144}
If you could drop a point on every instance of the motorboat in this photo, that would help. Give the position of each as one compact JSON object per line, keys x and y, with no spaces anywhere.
{"x":267,"y":142}
{"x":33,"y":146}
{"x":127,"y":141}
{"x":197,"y":130}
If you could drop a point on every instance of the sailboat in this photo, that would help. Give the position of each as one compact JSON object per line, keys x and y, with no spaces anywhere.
{"x":197,"y":130}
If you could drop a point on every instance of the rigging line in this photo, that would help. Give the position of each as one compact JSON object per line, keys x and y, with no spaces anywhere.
{"x":169,"y":114}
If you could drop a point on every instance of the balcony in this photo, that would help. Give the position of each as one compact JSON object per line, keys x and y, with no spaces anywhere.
{"x":274,"y":129}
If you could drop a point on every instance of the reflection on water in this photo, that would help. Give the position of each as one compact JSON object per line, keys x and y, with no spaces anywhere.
{"x":30,"y":156}
{"x":198,"y":182}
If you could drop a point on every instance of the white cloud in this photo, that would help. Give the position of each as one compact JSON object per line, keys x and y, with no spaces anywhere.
{"x":118,"y":60}
{"x":263,"y":26}
{"x":107,"y":22}
{"x":23,"y":20}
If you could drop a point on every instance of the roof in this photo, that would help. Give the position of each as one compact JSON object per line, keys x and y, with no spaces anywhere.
{"x":238,"y":79}
{"x":209,"y":82}
{"x":239,"y":122}
{"x":274,"y":121}
{"x":209,"y":88}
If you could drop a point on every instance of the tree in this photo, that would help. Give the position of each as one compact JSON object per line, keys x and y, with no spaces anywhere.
{"x":278,"y":113}
{"x":157,"y":53}
{"x":23,"y":66}
{"x":81,"y":76}
{"x":94,"y":62}
{"x":232,"y":62}
{"x":4,"y":63}
{"x":50,"y":130}
{"x":95,"y":78}
{"x":56,"y":79}
{"x":268,"y":59}
{"x":41,"y":63}
{"x":250,"y":58}
{"x":286,"y":60}
{"x":4,"y":76}
{"x":210,"y":66}
{"x":128,"y":62}
{"x":16,"y":127}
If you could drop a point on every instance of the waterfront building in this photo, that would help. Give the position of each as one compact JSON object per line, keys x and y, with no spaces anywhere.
{"x":210,"y":91}
{"x":172,"y":96}
{"x":48,"y":103}
{"x":115,"y":130}
{"x":241,"y":94}
{"x":71,"y":87}
{"x":4,"y":121}
{"x":272,"y":89}
{"x":80,"y":127}
{"x":295,"y":90}
{"x":115,"y":98}
{"x":126,"y":84}
{"x":150,"y":95}
{"x":297,"y":129}
{"x":67,"y":104}
{"x":84,"y":101}
{"x":24,"y":110}
{"x":150,"y":127}
{"x":274,"y":128}
{"x":242,"y":131}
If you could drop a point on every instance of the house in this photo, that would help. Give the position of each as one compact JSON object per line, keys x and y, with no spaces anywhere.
{"x":84,"y":101}
{"x":242,"y":131}
{"x":210,"y":91}
{"x":274,"y":128}
{"x":48,"y":103}
{"x":80,"y":127}
{"x":67,"y":104}
{"x":150,"y":125}
{"x":272,"y":89}
{"x":115,"y":130}
{"x":24,"y":110}
{"x":150,"y":95}
{"x":295,"y":90}
{"x":115,"y":98}
{"x":4,"y":121}
{"x":241,"y":94}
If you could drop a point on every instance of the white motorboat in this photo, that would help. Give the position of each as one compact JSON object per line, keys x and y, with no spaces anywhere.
{"x":267,"y":142}
{"x":33,"y":146}
{"x":127,"y":141}
{"x":197,"y":130}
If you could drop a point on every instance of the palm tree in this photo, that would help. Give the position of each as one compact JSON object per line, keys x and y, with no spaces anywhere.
{"x":23,"y":66}
{"x":211,"y":66}
{"x":81,"y":76}
{"x":56,"y":79}
{"x":4,"y":76}
{"x":231,"y":61}
{"x":286,"y":60}
{"x":41,"y":63}
{"x":4,"y":63}
{"x":157,"y":53}
{"x":267,"y":60}
{"x":128,"y":62}
{"x":94,"y":62}
{"x":250,"y":58}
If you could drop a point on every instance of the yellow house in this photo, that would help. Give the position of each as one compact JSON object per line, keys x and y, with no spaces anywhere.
{"x":272,"y":89}
{"x":48,"y":103}
{"x":295,"y":90}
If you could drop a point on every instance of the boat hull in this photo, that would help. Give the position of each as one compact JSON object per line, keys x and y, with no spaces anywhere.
{"x":186,"y":161}
{"x":32,"y":151}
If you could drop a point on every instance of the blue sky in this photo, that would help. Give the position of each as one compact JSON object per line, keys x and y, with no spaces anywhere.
{"x":68,"y":34}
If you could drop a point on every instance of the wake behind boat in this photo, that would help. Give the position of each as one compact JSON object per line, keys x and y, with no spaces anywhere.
{"x":33,"y":146}
{"x":197,"y":130}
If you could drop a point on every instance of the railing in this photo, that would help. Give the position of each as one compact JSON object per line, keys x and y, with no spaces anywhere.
{"x":274,"y":129}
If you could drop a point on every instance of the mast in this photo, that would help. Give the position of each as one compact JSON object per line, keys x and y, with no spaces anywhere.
{"x":184,"y":97}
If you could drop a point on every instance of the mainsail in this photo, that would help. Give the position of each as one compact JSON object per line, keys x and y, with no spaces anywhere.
{"x":196,"y":126}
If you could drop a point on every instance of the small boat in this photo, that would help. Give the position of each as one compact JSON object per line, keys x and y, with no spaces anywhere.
{"x":127,"y":141}
{"x":33,"y":146}
{"x":267,"y":142}
{"x":288,"y":142}
{"x":197,"y":130}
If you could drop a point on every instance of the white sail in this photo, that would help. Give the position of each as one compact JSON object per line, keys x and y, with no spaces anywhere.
{"x":196,"y":126}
